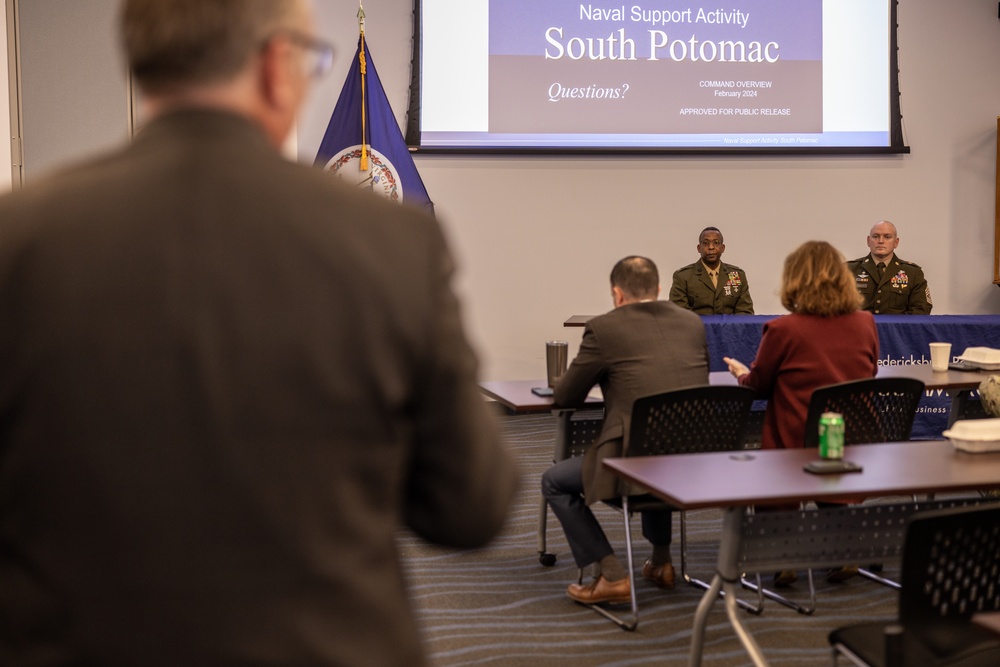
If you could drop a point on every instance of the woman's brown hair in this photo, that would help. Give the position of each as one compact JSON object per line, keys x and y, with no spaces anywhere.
{"x":816,"y":281}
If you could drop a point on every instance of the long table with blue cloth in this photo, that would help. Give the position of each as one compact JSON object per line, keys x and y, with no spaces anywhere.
{"x":903,"y":340}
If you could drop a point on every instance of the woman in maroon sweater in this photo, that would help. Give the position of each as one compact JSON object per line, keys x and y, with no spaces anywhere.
{"x":825,"y":340}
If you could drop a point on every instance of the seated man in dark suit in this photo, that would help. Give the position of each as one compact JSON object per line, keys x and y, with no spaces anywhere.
{"x":710,"y":286}
{"x":642,"y":347}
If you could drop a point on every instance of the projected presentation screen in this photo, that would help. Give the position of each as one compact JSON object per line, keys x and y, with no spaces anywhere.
{"x":688,"y":75}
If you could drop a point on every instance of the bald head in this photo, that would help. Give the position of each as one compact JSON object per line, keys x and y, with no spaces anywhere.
{"x":882,"y":240}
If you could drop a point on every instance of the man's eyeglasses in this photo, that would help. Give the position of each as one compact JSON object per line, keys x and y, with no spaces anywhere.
{"x":320,"y":52}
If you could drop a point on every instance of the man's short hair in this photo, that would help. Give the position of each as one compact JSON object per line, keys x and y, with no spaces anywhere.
{"x":711,"y":229}
{"x":637,"y":277}
{"x":174,"y":44}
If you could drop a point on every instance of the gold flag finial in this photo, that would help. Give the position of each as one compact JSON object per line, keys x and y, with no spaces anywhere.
{"x":361,"y":18}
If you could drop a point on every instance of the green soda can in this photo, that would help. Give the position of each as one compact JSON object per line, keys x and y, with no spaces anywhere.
{"x":831,"y":435}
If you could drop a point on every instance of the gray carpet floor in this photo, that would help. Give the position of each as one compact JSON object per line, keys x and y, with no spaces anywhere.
{"x":498,"y":606}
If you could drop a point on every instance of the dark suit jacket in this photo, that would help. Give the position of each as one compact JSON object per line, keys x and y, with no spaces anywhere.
{"x":225,"y":382}
{"x":633,"y":351}
{"x":692,"y":288}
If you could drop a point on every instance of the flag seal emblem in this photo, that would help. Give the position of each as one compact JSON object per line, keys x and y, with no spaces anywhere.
{"x":381,"y":177}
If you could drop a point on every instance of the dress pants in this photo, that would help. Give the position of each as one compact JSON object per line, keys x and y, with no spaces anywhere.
{"x":562,"y":487}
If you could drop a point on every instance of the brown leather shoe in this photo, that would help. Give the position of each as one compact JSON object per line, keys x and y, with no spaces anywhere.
{"x":785,"y":578}
{"x":661,"y":575}
{"x":840,"y":574}
{"x":601,"y":590}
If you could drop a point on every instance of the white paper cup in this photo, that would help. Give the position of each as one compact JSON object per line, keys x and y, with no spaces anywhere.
{"x":940,"y":356}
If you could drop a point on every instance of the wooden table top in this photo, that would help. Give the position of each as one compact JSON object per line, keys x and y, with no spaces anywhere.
{"x":724,"y":479}
{"x":933,"y":379}
{"x":989,"y":620}
{"x":516,"y":394}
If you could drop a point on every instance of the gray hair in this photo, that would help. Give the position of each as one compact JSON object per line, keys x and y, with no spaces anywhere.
{"x":175,"y":44}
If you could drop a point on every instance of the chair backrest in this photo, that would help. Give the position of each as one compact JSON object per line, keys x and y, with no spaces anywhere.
{"x":951,"y":565}
{"x":582,"y":428}
{"x":708,"y":418}
{"x":874,"y":409}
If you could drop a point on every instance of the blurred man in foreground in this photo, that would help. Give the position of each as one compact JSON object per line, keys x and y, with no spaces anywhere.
{"x":226,"y":381}
{"x":642,"y":347}
{"x":889,"y":285}
{"x":710,"y":286}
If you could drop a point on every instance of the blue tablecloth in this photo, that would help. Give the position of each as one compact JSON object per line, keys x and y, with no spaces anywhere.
{"x":903,"y":340}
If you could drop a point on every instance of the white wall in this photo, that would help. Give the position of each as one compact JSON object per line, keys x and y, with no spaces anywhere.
{"x":74,"y":93}
{"x":6,"y":173}
{"x":536,"y":236}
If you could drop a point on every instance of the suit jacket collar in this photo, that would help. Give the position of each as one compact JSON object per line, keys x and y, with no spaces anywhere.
{"x":206,"y":125}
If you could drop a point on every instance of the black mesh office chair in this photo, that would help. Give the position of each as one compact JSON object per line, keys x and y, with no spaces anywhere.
{"x":576,"y":430}
{"x":951,"y":571}
{"x":707,"y":418}
{"x":875,"y":410}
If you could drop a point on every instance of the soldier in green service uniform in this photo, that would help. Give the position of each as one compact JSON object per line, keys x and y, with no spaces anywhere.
{"x":888,"y":284}
{"x":709,"y":286}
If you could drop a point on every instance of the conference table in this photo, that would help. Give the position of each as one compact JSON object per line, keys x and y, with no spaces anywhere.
{"x":575,"y":430}
{"x":517,"y":397}
{"x":903,"y":339}
{"x":736,"y":481}
{"x":903,"y":342}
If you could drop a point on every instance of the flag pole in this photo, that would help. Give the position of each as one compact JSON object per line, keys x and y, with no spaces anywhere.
{"x":379,"y":159}
{"x":363,"y":163}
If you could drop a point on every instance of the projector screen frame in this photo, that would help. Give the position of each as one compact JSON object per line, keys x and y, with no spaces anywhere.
{"x":897,"y":144}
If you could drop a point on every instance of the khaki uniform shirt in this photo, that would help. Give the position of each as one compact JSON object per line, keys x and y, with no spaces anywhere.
{"x":902,"y":290}
{"x":692,"y":289}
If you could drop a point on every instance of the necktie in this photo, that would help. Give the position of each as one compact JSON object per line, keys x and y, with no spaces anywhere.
{"x":880,"y":269}
{"x":714,"y":275}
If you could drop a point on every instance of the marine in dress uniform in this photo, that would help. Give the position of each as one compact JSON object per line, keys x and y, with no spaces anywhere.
{"x":696,"y":288}
{"x":692,"y":289}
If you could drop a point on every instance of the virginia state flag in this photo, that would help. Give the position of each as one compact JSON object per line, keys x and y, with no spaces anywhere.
{"x":363,"y":144}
